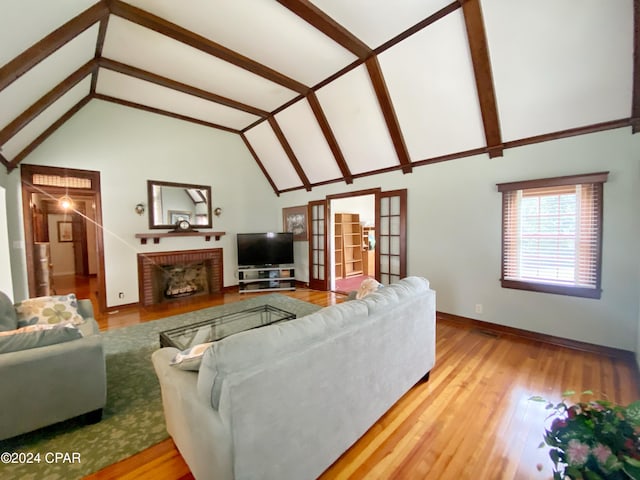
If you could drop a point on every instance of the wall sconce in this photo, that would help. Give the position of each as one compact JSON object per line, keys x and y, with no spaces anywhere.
{"x":217,"y":211}
{"x":140,"y":208}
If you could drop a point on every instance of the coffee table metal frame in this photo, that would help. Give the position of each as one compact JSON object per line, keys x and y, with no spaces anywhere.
{"x":213,"y":329}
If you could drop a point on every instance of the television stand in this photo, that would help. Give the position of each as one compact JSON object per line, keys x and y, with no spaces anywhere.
{"x":266,"y":278}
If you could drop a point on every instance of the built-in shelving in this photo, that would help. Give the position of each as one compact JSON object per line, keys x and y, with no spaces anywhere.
{"x":348,"y":236}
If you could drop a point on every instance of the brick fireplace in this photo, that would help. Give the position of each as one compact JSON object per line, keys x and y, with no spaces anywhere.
{"x":165,"y":276}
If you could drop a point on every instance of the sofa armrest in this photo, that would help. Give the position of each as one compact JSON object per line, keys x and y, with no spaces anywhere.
{"x":85,"y":308}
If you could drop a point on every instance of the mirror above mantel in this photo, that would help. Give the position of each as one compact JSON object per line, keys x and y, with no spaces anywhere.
{"x":171,"y":202}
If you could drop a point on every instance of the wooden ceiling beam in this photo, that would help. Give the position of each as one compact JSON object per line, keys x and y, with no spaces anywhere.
{"x":47,"y":133}
{"x":289,"y":151}
{"x":257,"y":159}
{"x":635,"y":107}
{"x":181,"y":87}
{"x":327,"y":25}
{"x":102,"y":34}
{"x":166,"y":113}
{"x":171,"y":30}
{"x":28,"y":59}
{"x":484,"y":77}
{"x":389,"y":113}
{"x":46,"y":101}
{"x":329,"y":137}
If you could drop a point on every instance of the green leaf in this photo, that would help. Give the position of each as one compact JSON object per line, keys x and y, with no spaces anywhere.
{"x":589,"y":475}
{"x":568,"y":393}
{"x":633,"y":472}
{"x":542,"y":445}
{"x":632,"y":461}
{"x":537,"y":398}
{"x":633,"y":413}
{"x":587,"y":392}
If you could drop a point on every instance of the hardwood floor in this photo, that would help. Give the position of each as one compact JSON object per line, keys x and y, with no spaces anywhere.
{"x":472,"y":419}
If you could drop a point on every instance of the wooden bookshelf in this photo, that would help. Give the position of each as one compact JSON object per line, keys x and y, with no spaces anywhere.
{"x":350,"y":231}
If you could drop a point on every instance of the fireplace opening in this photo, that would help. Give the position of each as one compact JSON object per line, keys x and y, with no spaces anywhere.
{"x":185,"y":280}
{"x":168,"y":276}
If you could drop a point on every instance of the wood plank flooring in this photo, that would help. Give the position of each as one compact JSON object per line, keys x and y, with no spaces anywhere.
{"x":471,"y":420}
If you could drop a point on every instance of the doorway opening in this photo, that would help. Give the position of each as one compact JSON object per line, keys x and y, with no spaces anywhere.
{"x":352,"y":241}
{"x":63,"y":241}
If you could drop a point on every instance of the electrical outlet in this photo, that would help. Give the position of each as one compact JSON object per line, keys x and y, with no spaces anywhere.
{"x":478,"y":308}
{"x":121,"y":295}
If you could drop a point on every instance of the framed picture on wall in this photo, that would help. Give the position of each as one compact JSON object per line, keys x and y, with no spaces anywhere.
{"x":294,"y":220}
{"x":65,"y":232}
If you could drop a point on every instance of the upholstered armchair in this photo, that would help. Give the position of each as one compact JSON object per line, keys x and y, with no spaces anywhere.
{"x":52,"y":363}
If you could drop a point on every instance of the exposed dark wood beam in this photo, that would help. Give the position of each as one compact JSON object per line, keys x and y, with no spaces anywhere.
{"x":484,"y":77}
{"x":47,"y":133}
{"x":46,"y":101}
{"x":102,"y":33}
{"x":443,"y":12}
{"x":4,"y":161}
{"x":181,"y":87}
{"x":171,"y":30}
{"x":257,"y":159}
{"x":289,"y":151}
{"x":166,"y":113}
{"x":28,"y":59}
{"x":635,"y":108}
{"x":389,"y":113}
{"x":330,"y":137}
{"x":327,"y":25}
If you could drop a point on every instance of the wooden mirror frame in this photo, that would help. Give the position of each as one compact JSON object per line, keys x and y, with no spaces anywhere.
{"x":152,"y":207}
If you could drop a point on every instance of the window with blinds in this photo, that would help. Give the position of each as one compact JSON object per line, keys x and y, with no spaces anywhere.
{"x":552,"y":234}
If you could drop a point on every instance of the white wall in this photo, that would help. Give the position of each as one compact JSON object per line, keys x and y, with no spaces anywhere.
{"x":129,"y":147}
{"x":6,"y":282}
{"x":454,"y":229}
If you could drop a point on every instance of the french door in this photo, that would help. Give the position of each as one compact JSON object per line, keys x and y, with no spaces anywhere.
{"x":317,"y":215}
{"x":391,"y":238}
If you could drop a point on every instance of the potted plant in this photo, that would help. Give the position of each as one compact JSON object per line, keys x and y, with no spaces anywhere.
{"x":593,"y":440}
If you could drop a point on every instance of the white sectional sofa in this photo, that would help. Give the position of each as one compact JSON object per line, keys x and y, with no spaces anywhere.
{"x":285,"y":401}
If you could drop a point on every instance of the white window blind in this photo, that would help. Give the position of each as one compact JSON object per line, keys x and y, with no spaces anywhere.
{"x":551,"y":235}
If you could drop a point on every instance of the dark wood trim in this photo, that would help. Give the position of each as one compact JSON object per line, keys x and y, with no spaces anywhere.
{"x":290,"y":153}
{"x":635,"y":106}
{"x":102,"y":34}
{"x":181,"y":87}
{"x":471,"y":323}
{"x":166,"y":113}
{"x":28,"y":59}
{"x":257,"y":159}
{"x":571,"y":132}
{"x":327,"y":25}
{"x":598,"y":177}
{"x":484,"y":77}
{"x":554,"y":289}
{"x":357,"y":193}
{"x":171,"y":30}
{"x":3,"y":160}
{"x":329,"y":137}
{"x":26,"y":175}
{"x":47,"y":133}
{"x":46,"y":101}
{"x":389,"y":113}
{"x":443,"y":12}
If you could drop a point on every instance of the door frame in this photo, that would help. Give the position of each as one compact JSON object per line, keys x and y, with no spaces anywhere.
{"x":93,"y":193}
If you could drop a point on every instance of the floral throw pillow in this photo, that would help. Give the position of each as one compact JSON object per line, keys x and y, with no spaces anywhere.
{"x":49,"y":310}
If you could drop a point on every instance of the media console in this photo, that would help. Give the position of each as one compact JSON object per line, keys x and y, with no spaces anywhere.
{"x":266,"y":278}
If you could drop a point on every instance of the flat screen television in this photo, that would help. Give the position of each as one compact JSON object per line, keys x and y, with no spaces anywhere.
{"x":258,"y":249}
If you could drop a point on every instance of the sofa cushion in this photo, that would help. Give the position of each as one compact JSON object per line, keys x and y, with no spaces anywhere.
{"x":39,"y":335}
{"x":8,"y":316}
{"x":394,"y":293}
{"x":253,"y":347}
{"x":191,"y":358}
{"x":48,"y":310}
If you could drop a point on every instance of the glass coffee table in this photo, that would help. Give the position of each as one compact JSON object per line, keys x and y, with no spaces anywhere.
{"x":217,"y":328}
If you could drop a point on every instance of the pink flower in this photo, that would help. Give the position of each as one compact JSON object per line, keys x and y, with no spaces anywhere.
{"x":577,"y":453}
{"x":602,"y":453}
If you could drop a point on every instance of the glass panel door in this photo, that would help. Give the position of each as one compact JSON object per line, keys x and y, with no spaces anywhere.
{"x":391,"y":232}
{"x":317,"y":213}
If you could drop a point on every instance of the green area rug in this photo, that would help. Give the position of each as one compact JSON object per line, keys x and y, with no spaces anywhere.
{"x":133,"y":419}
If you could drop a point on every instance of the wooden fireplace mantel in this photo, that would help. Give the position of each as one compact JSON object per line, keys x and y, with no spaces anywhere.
{"x":157,"y":236}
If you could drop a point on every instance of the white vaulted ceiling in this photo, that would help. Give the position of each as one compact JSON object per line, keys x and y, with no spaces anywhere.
{"x":327,"y":90}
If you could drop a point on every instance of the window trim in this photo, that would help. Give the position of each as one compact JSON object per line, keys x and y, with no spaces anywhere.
{"x":588,"y":178}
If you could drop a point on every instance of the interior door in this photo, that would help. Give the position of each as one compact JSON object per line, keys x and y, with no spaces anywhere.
{"x":317,"y":215}
{"x":81,"y":259}
{"x":391,"y":236}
